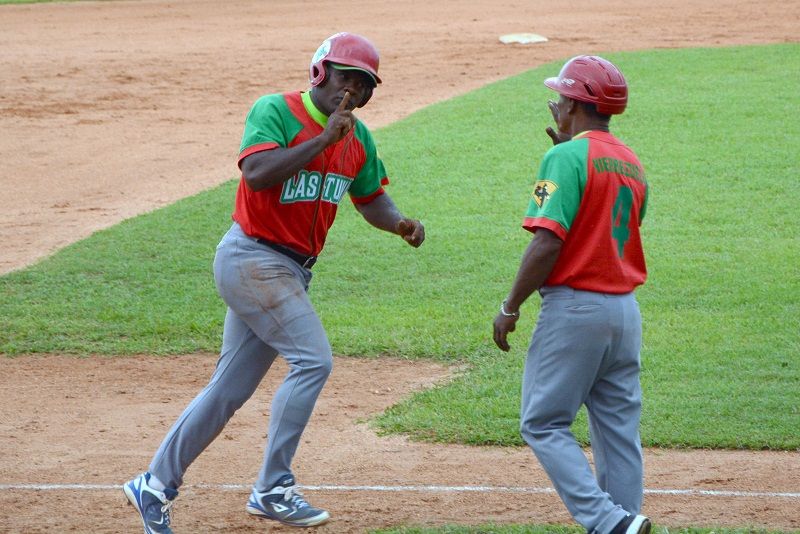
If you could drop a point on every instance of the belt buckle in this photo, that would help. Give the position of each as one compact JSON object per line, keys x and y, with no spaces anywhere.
{"x":310,"y":261}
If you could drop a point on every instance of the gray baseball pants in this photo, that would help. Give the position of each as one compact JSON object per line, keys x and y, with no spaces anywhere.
{"x":269,"y":313}
{"x":585,"y":351}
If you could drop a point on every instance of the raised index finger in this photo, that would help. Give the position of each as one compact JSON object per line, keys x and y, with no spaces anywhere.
{"x":343,"y":103}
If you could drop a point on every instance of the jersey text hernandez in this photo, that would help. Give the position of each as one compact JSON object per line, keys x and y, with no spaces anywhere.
{"x":592,"y":190}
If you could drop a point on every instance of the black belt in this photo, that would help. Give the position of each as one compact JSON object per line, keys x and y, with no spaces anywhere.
{"x":301,"y":259}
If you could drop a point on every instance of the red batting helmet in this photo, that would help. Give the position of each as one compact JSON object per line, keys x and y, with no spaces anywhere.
{"x":345,"y":49}
{"x":592,"y":79}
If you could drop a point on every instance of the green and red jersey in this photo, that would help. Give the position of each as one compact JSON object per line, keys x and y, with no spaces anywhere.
{"x":299,"y":212}
{"x":592,"y":193}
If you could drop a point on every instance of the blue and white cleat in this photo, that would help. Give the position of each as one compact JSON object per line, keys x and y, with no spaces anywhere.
{"x":153,"y":506}
{"x":286,"y":504}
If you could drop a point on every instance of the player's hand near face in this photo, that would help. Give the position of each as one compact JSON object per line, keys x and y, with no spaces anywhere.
{"x":340,"y":122}
{"x":269,"y":168}
{"x":412,"y":231}
{"x":556,"y":136}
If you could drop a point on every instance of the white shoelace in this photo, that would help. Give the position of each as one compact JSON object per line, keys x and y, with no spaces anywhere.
{"x":166,"y":510}
{"x":295,"y":496}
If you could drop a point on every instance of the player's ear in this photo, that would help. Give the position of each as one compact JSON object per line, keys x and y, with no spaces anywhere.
{"x":572,"y":104}
{"x":367,"y":96}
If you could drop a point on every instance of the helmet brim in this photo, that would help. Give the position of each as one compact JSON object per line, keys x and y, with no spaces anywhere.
{"x":552,"y":83}
{"x":556,"y":85}
{"x":373,"y":75}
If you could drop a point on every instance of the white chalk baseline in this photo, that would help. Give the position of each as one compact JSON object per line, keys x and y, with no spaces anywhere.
{"x":412,"y":488}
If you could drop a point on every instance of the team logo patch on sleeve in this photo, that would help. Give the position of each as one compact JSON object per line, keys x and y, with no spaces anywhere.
{"x":542,"y":191}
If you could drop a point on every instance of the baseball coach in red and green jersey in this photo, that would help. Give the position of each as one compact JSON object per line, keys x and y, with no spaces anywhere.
{"x":585,"y":259}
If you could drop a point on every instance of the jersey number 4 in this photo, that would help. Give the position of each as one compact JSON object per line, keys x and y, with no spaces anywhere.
{"x":621,"y":216}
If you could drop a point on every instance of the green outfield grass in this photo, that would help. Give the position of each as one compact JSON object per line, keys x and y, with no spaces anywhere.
{"x":716,"y":130}
{"x":721,"y":307}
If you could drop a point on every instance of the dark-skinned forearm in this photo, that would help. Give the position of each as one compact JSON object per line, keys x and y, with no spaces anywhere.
{"x":538,"y":261}
{"x":381,"y":213}
{"x":271,"y":167}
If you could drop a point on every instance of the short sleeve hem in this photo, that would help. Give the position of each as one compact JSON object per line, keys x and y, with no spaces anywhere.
{"x":532,"y":223}
{"x":369,"y":198}
{"x":255,"y":148}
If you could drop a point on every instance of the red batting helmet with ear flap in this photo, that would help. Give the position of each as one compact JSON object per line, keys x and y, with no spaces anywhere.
{"x":345,"y":49}
{"x":592,"y":79}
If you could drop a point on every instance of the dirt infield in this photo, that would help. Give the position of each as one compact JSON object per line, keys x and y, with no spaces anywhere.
{"x":110,"y":109}
{"x":95,"y":421}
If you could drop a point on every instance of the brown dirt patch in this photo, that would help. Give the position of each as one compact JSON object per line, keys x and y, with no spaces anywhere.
{"x":110,"y":109}
{"x":97,"y":421}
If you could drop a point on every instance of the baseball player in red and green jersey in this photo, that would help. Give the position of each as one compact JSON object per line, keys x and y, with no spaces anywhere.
{"x":298,"y":214}
{"x":301,"y":153}
{"x":585,"y":260}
